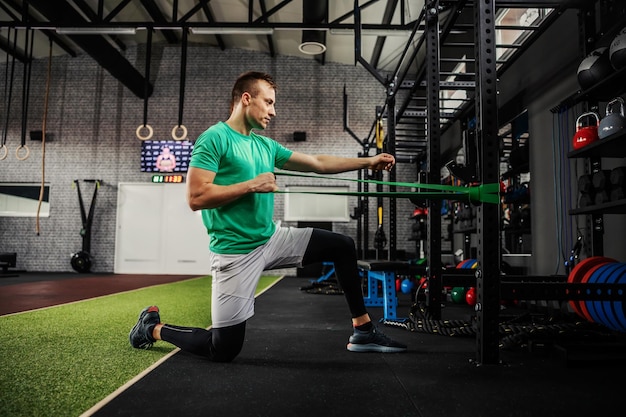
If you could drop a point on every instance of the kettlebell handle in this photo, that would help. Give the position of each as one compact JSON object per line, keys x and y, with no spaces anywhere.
{"x":609,"y":106}
{"x":591,"y":113}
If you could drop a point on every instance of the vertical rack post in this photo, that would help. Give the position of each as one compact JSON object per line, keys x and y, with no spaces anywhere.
{"x":488,"y":216}
{"x":434,"y":157}
{"x":391,"y":148}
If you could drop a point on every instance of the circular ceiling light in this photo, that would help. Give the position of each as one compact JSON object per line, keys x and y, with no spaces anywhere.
{"x":312,"y":48}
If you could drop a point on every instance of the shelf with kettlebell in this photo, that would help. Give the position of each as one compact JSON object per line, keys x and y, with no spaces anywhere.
{"x":612,"y":146}
{"x":601,"y":191}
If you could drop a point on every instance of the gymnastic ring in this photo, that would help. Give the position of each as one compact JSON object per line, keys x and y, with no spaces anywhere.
{"x":17,"y":152}
{"x":148,"y":136}
{"x":6,"y":152}
{"x":183,"y":136}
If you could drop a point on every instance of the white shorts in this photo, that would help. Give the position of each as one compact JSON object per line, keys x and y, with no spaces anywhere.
{"x":235,"y":277}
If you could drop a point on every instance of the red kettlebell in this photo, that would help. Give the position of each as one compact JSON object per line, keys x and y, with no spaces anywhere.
{"x":585,"y":134}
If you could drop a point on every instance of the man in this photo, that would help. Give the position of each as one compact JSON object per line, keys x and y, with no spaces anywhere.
{"x":231,"y":180}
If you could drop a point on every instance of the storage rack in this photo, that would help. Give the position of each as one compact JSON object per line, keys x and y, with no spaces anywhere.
{"x":491,"y":285}
{"x":509,"y":287}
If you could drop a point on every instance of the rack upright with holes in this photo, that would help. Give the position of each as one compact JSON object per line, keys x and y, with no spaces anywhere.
{"x":488,"y":223}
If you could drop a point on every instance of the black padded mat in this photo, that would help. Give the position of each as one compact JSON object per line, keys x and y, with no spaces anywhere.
{"x":295,"y":363}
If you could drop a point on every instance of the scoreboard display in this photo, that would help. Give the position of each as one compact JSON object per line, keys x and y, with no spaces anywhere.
{"x":168,"y":178}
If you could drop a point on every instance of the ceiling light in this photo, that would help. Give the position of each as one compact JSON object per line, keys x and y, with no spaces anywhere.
{"x":232,"y":31}
{"x":312,"y":48}
{"x":313,"y":42}
{"x":96,"y":31}
{"x":372,"y":32}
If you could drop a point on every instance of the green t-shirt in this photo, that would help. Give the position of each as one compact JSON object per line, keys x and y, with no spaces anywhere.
{"x":246,"y":223}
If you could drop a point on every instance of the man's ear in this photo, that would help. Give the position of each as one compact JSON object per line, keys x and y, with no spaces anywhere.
{"x":245,"y":98}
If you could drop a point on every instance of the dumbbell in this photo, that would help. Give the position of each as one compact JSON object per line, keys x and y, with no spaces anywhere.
{"x":585,"y":186}
{"x":586,"y":191}
{"x":618,"y":183}
{"x":601,"y":179}
{"x":602,"y":186}
{"x":618,"y":176}
{"x":586,"y":200}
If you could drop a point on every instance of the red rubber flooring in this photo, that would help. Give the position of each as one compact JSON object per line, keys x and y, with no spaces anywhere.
{"x":30,"y":291}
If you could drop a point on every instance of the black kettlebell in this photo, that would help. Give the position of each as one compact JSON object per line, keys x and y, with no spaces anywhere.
{"x":612,"y":122}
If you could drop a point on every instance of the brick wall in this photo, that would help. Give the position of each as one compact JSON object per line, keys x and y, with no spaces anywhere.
{"x":93,"y":119}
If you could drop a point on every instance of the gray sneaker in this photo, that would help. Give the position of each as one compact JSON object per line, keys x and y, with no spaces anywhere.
{"x":139,"y":336}
{"x":373,"y":341}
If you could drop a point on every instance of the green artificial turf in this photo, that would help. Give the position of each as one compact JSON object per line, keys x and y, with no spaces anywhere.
{"x":60,"y":361}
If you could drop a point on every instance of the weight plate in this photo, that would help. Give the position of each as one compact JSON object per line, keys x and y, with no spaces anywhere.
{"x":618,"y":306}
{"x":579,"y":271}
{"x":607,"y":305}
{"x":473,"y":264}
{"x":462,"y":264}
{"x":599,"y":277}
{"x":592,"y":274}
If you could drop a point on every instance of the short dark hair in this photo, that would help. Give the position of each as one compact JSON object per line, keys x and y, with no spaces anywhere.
{"x":248,"y":82}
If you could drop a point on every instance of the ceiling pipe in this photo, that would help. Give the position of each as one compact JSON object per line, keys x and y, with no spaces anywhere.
{"x":314,"y":12}
{"x":96,"y":46}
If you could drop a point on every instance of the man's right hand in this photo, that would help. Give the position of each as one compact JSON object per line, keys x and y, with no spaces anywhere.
{"x":264,"y":183}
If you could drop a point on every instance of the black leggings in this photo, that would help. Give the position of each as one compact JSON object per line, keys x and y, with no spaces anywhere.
{"x":224,"y":344}
{"x":326,"y":246}
{"x":218,"y":345}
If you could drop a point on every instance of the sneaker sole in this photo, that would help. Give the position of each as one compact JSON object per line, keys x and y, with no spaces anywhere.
{"x":151,"y":309}
{"x":371,"y":347}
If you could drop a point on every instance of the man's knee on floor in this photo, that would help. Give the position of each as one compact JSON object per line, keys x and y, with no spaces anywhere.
{"x":227,"y":342}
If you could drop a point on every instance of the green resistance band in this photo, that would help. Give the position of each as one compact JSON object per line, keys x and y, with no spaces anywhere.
{"x":484,"y":193}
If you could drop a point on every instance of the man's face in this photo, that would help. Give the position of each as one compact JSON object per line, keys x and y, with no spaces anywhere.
{"x":260,"y":109}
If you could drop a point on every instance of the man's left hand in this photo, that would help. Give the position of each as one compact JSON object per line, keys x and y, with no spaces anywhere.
{"x":382,"y":161}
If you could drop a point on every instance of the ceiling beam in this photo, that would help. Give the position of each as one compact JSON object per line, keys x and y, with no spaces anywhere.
{"x":95,"y":17}
{"x":56,"y":39}
{"x":380,"y":40}
{"x":159,"y":18}
{"x":96,"y":46}
{"x":270,"y":39}
{"x":209,"y":16}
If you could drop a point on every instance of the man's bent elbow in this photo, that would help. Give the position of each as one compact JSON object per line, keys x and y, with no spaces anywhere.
{"x":194,"y":204}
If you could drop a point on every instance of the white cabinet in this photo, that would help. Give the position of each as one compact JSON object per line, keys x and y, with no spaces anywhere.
{"x":157,"y":232}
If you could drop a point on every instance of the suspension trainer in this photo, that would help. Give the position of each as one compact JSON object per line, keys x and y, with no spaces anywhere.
{"x":146,"y":92}
{"x":43,"y":138}
{"x":28,"y":48}
{"x":8,"y":82}
{"x":81,"y":260}
{"x":181,"y":98}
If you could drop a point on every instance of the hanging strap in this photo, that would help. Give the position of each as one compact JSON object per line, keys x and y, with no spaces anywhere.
{"x":146,"y":88}
{"x":23,"y":151}
{"x":181,"y":94}
{"x":3,"y":154}
{"x":42,"y":188}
